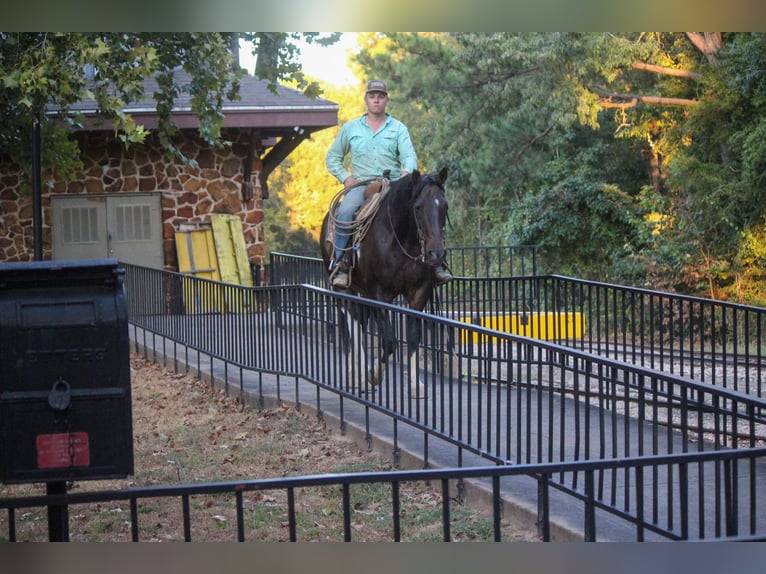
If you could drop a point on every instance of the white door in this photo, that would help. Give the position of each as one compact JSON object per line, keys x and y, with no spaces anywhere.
{"x":78,"y":227}
{"x":126,"y":227}
{"x":134,"y":229}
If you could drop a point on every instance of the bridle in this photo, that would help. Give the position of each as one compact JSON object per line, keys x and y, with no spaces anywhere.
{"x":421,"y":186}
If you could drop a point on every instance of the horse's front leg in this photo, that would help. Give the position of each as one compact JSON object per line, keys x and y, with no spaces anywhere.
{"x":386,"y":346}
{"x":417,"y":388}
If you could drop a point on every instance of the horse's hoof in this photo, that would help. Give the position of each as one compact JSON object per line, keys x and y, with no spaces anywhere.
{"x":372,"y":378}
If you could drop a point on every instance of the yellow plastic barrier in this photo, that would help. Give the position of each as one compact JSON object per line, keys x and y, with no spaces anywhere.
{"x":546,"y":326}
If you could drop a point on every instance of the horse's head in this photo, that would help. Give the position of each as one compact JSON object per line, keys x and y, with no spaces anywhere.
{"x":430,"y":212}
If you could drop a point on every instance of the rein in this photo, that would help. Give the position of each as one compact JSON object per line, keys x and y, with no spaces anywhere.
{"x":421,"y":238}
{"x":421,"y":235}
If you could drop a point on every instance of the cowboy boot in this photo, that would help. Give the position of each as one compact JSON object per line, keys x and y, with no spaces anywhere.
{"x":442,"y":275}
{"x":340,"y":276}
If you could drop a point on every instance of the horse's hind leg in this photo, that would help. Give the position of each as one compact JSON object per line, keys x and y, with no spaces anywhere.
{"x":358,"y":369}
{"x":354,"y":349}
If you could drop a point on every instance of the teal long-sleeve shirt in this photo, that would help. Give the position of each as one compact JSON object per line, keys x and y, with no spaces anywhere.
{"x":390,"y":148}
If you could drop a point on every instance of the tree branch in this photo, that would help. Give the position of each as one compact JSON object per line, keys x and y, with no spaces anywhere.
{"x":530,"y":143}
{"x":497,"y":78}
{"x":631,"y":100}
{"x":666,"y":71}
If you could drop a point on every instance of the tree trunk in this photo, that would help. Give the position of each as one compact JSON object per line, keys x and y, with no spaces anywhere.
{"x":656,"y":176}
{"x":709,"y":43}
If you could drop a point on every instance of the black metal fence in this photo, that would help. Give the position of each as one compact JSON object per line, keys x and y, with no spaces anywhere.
{"x":724,"y":464}
{"x":476,"y":262}
{"x":583,"y":389}
{"x":717,"y":342}
{"x":493,"y":395}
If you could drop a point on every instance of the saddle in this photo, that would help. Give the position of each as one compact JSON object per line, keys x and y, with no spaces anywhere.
{"x":373,"y":196}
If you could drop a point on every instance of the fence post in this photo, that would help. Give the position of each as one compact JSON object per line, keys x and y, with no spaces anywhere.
{"x":58,"y":514}
{"x":543,"y":508}
{"x":590,"y":507}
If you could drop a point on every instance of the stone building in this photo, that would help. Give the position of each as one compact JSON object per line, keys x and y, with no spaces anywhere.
{"x":127,"y":203}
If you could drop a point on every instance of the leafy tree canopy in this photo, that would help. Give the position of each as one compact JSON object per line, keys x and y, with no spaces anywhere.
{"x":536,"y":124}
{"x":45,"y":71}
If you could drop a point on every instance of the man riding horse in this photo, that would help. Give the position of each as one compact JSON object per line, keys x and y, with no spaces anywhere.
{"x":379,"y":144}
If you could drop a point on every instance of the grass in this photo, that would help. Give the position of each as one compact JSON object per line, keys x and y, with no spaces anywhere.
{"x":185,"y":432}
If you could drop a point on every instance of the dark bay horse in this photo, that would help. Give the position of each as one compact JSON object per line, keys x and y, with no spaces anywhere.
{"x":402,"y":245}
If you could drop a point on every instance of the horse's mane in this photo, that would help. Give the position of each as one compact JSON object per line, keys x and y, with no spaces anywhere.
{"x":401,"y":189}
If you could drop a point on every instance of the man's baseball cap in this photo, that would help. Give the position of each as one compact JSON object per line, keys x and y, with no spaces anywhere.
{"x":376,"y":86}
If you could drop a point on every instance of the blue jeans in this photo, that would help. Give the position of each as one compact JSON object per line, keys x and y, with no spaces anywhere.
{"x":347,"y":209}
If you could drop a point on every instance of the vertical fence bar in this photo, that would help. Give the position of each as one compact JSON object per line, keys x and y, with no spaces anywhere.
{"x":590,"y":508}
{"x":446,"y":510}
{"x":11,"y":525}
{"x":346,"y":512}
{"x":240,"y":516}
{"x":639,"y":503}
{"x":543,"y":507}
{"x":729,"y":498}
{"x":396,"y":511}
{"x":186,"y":517}
{"x":291,"y":519}
{"x":134,"y":518}
{"x":497,"y":508}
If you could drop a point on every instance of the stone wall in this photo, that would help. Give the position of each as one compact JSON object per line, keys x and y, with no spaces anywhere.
{"x":189,"y":194}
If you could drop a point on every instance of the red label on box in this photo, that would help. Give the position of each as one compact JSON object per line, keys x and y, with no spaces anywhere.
{"x":61,"y":450}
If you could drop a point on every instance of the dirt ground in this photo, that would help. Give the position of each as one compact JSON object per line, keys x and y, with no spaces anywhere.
{"x":185,"y":432}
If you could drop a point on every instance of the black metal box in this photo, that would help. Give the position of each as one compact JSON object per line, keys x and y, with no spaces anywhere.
{"x":65,"y":400}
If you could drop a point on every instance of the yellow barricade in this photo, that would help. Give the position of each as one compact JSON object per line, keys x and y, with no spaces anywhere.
{"x":546,"y":326}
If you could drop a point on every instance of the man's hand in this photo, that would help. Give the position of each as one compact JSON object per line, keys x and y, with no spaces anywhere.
{"x":349,"y":182}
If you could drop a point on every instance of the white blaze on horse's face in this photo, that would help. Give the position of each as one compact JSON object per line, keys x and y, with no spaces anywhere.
{"x":431,"y":216}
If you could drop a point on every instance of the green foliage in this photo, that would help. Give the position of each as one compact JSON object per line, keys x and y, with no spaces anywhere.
{"x":578,"y":226}
{"x":750,"y":260}
{"x":45,"y":74}
{"x":716,"y":175}
{"x":510,"y":114}
{"x":543,"y":132}
{"x":278,"y":57}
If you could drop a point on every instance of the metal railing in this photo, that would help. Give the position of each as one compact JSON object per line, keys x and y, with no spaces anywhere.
{"x":499,"y":261}
{"x":491,"y":395}
{"x":717,"y":342}
{"x":724,"y":464}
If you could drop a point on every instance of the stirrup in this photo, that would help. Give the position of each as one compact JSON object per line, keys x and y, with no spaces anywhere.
{"x":339,"y":277}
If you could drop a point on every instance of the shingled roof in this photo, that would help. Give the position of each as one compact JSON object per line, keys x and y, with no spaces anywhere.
{"x":273,"y":115}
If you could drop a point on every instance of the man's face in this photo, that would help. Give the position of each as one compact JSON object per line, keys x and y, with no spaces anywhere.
{"x":376,"y":101}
